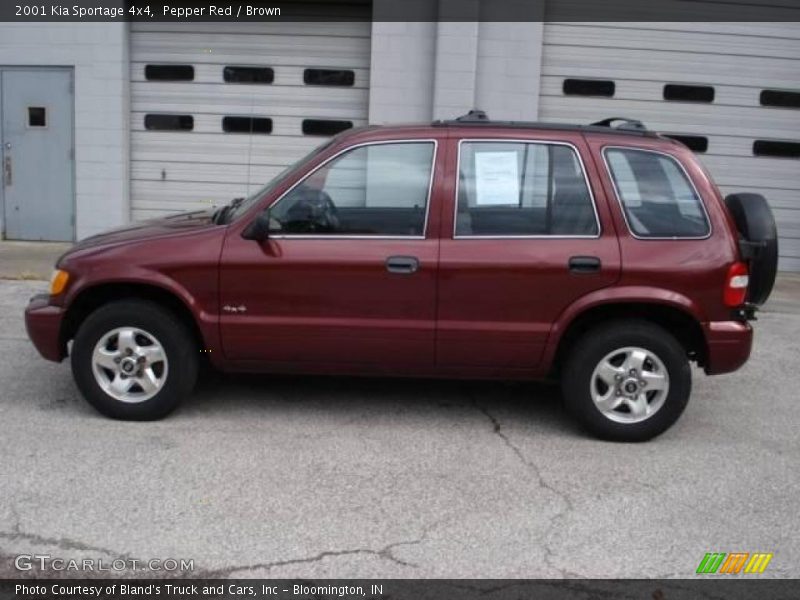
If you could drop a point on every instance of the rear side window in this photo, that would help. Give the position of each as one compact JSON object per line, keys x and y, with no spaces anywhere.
{"x":522,"y":189}
{"x":657,"y":197}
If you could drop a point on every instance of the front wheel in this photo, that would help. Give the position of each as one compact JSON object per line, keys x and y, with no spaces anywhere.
{"x":134,"y":360}
{"x":627,"y":381}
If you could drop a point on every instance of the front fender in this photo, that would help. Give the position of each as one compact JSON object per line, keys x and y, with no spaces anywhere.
{"x":134,"y":275}
{"x":201,"y":304}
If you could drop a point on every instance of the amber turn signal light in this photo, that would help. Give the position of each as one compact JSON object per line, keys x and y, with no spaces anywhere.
{"x":58,"y":282}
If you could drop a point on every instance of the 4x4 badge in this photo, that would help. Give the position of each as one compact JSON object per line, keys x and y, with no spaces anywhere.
{"x":234,"y":309}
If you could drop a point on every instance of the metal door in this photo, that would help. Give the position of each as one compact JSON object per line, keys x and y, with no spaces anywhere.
{"x":37,"y":154}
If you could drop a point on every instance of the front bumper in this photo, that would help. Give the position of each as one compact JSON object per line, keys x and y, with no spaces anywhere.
{"x":43,"y":323}
{"x":729,"y":344}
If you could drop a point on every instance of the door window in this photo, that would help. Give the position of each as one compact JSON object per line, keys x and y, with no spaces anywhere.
{"x":522,"y":189}
{"x":657,"y":197}
{"x":372,"y":190}
{"x":37,"y":116}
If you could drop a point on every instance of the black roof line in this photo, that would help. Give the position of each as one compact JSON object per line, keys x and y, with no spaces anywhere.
{"x":478,"y":118}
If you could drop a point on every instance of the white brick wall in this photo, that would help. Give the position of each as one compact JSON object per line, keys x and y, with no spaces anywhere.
{"x":401,"y":72}
{"x":98,"y":53}
{"x":455,"y":73}
{"x":424,"y":71}
{"x":508,"y":69}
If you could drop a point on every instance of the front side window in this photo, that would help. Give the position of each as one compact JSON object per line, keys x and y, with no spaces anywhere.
{"x":522,"y":189}
{"x":374,"y":190}
{"x":656,"y":195}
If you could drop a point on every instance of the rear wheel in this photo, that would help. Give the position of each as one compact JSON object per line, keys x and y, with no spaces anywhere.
{"x":134,"y":360}
{"x":627,"y":381}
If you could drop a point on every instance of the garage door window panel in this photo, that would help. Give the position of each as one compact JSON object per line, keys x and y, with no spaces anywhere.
{"x":257,"y":75}
{"x":169,"y":73}
{"x":657,"y":197}
{"x":260,"y":125}
{"x":164,"y":122}
{"x":517,"y":189}
{"x":776,"y":148}
{"x":329,"y":77}
{"x":325,"y":127}
{"x":589,"y":87}
{"x":688,"y":93}
{"x":780,"y":98}
{"x":373,"y":190}
{"x":695,"y":143}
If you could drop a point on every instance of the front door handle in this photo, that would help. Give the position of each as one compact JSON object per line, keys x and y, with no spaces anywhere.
{"x":7,"y":170}
{"x":404,"y":265}
{"x":584,"y":264}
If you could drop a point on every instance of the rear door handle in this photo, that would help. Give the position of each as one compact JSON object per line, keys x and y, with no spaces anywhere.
{"x":584,"y":264}
{"x":405,"y":265}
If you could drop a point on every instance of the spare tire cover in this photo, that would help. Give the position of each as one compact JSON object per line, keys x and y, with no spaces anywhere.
{"x":754,"y":220}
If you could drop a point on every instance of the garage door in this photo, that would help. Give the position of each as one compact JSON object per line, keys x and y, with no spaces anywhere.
{"x":218,"y":109}
{"x":731,"y":91}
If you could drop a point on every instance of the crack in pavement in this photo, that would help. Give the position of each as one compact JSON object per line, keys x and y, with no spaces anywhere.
{"x":69,"y":544}
{"x":533,"y":467}
{"x":16,"y":527}
{"x":60,"y":543}
{"x":384,"y":553}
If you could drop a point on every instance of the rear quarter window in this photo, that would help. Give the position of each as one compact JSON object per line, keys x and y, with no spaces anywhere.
{"x":656,"y":195}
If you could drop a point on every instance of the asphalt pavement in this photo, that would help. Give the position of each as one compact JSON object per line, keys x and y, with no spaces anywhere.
{"x":340,"y":477}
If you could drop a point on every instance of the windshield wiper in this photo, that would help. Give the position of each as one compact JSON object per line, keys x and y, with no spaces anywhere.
{"x":221,"y":214}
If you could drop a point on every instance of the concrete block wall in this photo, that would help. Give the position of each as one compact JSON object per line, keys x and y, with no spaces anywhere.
{"x":508,"y":69}
{"x":455,"y":71}
{"x":98,"y":53}
{"x":439,"y":70}
{"x":401,"y":72}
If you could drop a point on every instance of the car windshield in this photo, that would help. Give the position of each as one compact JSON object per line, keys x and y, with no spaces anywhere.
{"x":241,"y":207}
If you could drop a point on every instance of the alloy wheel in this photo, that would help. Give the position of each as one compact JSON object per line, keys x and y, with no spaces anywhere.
{"x":129,"y":364}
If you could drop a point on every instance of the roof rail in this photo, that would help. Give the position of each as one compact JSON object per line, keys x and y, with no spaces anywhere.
{"x":473,"y":116}
{"x":479,"y":118}
{"x":627,"y":124}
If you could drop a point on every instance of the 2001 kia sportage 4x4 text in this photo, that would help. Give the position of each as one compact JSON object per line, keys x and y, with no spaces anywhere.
{"x":603,"y":255}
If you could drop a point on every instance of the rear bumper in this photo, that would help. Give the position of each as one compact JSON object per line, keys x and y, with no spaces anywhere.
{"x":729,"y":344}
{"x":43,"y":323}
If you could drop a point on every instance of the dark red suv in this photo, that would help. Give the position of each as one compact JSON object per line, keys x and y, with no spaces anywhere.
{"x":603,"y":255}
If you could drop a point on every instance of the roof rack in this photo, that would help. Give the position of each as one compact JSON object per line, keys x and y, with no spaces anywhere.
{"x":627,"y":124}
{"x":472,"y":116}
{"x":479,"y":118}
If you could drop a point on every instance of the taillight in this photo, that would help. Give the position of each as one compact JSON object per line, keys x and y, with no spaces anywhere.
{"x":736,"y":285}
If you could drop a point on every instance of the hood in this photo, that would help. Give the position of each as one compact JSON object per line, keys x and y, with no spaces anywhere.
{"x":144,"y":230}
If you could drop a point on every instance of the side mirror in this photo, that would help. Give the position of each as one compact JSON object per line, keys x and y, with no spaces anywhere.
{"x":258,"y":229}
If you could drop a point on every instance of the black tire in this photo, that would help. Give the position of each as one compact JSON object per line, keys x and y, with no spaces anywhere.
{"x":178,"y":345}
{"x":755,"y":222}
{"x":598,"y":343}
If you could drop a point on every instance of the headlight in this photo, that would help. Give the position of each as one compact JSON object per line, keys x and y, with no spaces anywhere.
{"x":58,"y":282}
